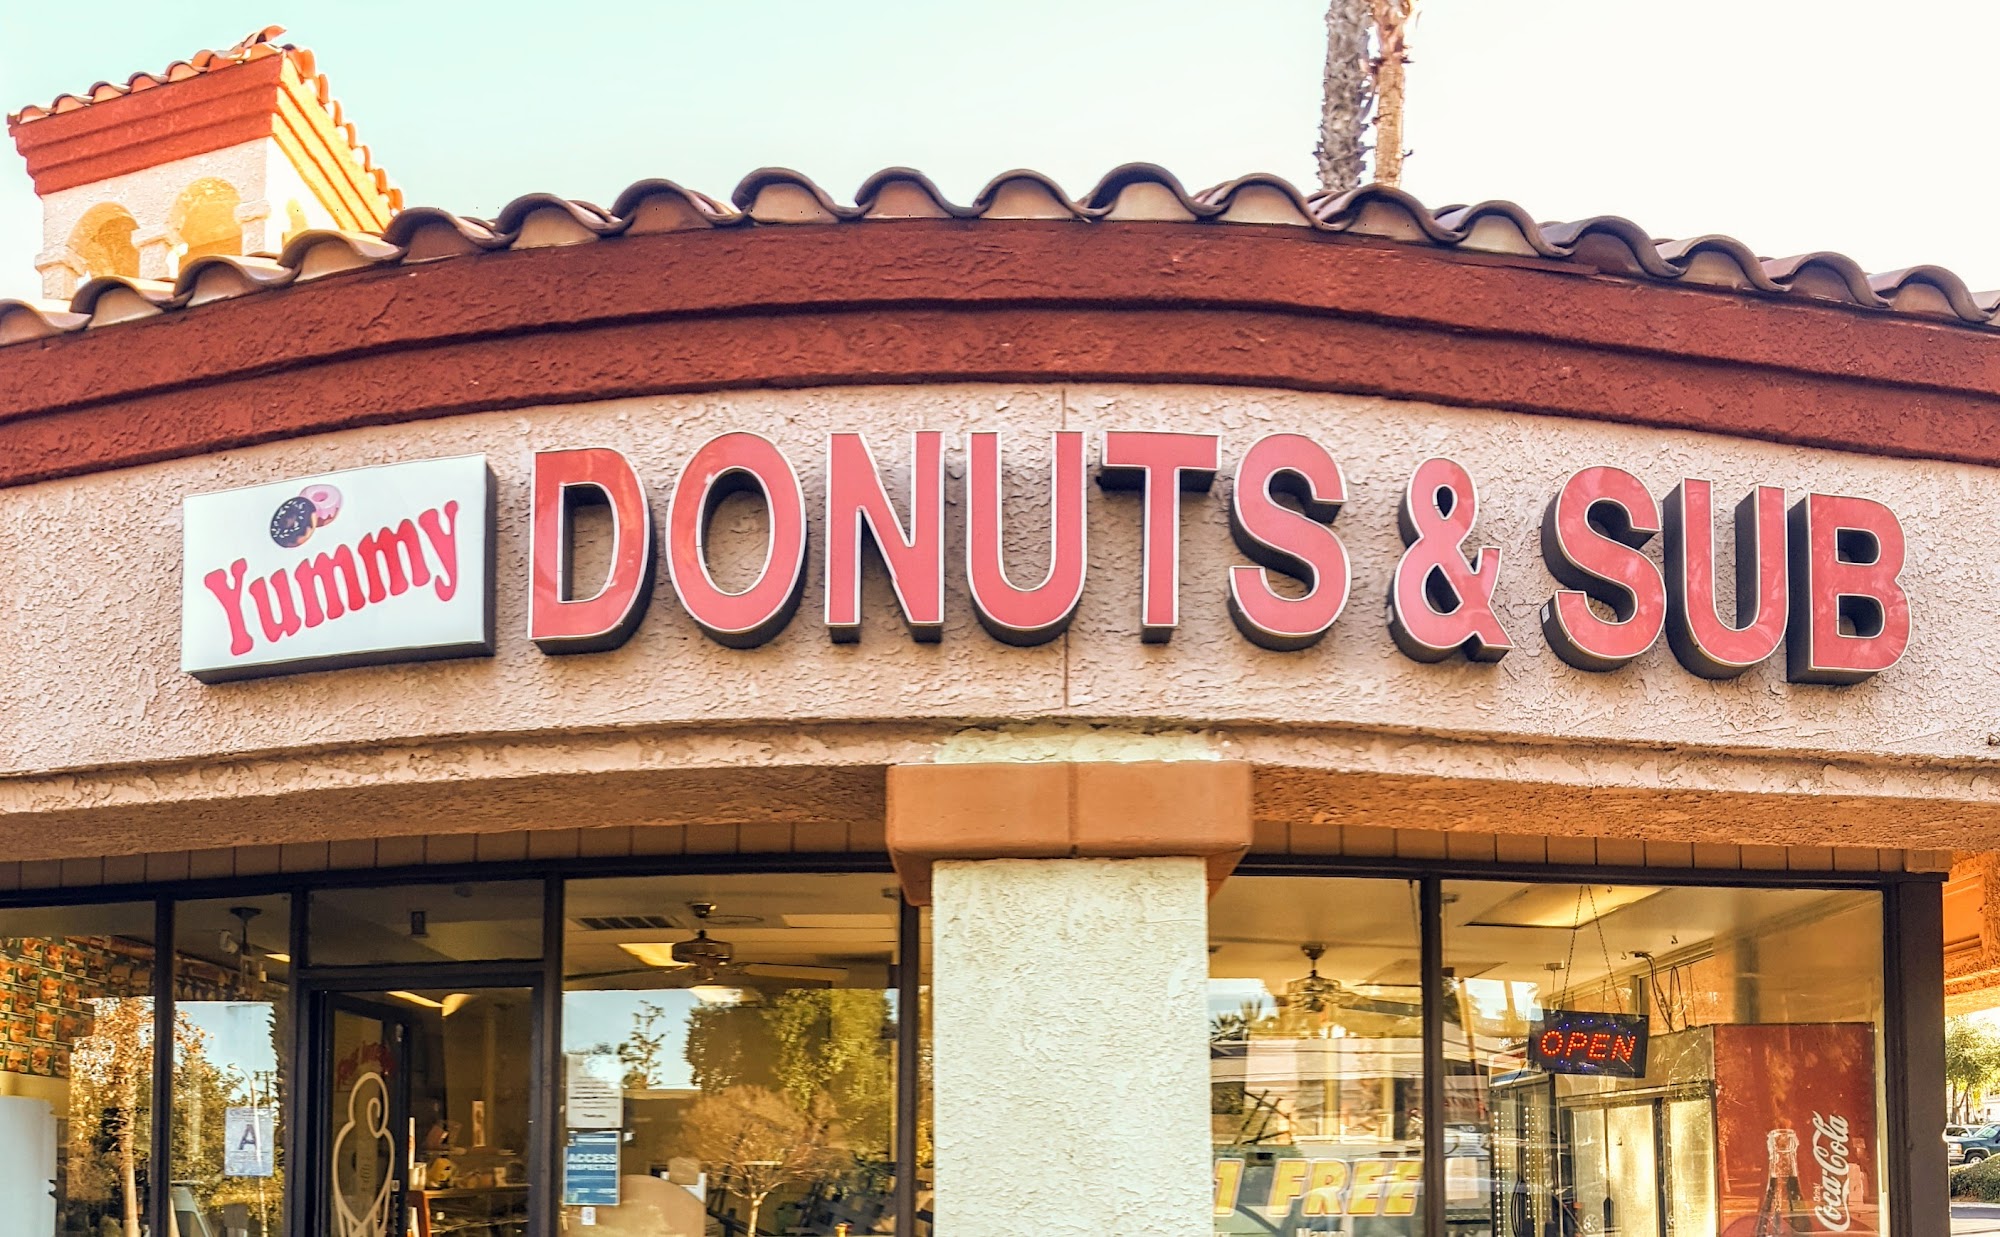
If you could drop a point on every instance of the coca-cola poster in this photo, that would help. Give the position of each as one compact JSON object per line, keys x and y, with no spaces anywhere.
{"x":1795,"y":1129}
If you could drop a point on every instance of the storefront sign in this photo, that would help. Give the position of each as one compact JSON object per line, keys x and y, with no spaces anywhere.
{"x":1575,"y":1042}
{"x":273,"y":583}
{"x":1823,"y":582}
{"x":347,"y":568}
{"x":248,"y":1146}
{"x":590,"y":1168}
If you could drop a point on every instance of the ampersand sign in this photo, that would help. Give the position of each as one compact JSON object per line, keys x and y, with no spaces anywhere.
{"x":1441,"y":604}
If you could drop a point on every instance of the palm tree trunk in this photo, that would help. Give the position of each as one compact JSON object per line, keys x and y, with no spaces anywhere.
{"x":1347,"y":91}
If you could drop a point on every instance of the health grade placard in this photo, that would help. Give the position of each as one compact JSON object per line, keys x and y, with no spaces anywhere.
{"x":368,"y":565}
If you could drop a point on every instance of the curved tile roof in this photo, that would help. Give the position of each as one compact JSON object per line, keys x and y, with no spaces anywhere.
{"x":1133,"y":193}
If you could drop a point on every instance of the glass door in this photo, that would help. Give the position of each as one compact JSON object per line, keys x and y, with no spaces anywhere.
{"x":365,"y":1117}
{"x":428,"y":1111}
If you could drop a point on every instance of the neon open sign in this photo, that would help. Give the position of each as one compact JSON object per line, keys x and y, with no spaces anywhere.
{"x":1571,"y":1042}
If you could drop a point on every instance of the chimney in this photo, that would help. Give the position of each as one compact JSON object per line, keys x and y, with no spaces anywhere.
{"x":229,"y":152}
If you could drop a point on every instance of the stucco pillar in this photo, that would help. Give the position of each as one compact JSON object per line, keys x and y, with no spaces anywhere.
{"x":158,"y":252}
{"x":1070,"y":1047}
{"x":1069,"y":951}
{"x":62,"y":272}
{"x":263,"y":229}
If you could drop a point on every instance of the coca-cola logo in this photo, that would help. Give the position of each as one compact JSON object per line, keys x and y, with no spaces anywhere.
{"x":1836,"y":1173}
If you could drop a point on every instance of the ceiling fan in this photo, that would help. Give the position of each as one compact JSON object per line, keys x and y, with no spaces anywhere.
{"x":703,"y":961}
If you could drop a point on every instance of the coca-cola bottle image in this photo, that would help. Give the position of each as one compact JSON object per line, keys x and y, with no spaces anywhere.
{"x":1783,"y":1211}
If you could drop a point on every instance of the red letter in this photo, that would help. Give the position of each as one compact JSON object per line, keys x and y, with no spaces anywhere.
{"x":1439,"y":603}
{"x":857,"y":505}
{"x":286,"y":621}
{"x":559,"y":621}
{"x":1552,"y":1049}
{"x":1591,"y":534}
{"x":1159,"y":466}
{"x":443,"y":536}
{"x":1025,"y":616}
{"x":1850,"y":618}
{"x":320,"y":576}
{"x":1298,"y":543}
{"x":1578,"y":1041}
{"x":1600,"y":1046}
{"x":383,"y":555}
{"x":725,"y":465}
{"x":1622,"y":1046}
{"x":1705,"y":644}
{"x":228,"y":589}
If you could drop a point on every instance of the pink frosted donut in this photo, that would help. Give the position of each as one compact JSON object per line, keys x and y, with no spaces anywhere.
{"x":326,"y":503}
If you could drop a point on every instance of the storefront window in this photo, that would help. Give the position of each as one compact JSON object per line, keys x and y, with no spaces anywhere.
{"x":1651,"y":1060}
{"x":1316,"y":1056}
{"x":76,"y":1068}
{"x":729,"y":1055}
{"x":413,"y":924}
{"x":232,"y":1019}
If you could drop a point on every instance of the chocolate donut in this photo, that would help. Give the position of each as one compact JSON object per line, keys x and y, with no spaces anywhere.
{"x":292,"y":523}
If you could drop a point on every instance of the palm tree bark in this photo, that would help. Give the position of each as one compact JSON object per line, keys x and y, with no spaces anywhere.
{"x":1392,"y":21}
{"x":1347,"y":95}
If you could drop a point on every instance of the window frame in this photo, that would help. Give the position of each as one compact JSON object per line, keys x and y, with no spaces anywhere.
{"x":1912,"y":961}
{"x":544,"y":1161}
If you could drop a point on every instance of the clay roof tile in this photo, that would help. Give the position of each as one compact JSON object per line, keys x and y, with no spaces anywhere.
{"x":905,"y":193}
{"x":780,"y":195}
{"x":110,"y":299}
{"x":666,"y":206}
{"x":1145,"y":192}
{"x":545,"y":221}
{"x":322,"y":252}
{"x":1025,"y":194}
{"x":21,"y":321}
{"x":1379,"y":210}
{"x":1259,"y":198}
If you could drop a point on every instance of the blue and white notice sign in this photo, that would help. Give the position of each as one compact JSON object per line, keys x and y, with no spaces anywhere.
{"x":590,"y":1168}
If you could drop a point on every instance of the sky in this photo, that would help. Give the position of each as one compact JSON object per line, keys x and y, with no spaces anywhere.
{"x":1791,"y":124}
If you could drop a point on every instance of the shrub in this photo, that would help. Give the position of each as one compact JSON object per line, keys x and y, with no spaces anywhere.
{"x":1979,"y":1182}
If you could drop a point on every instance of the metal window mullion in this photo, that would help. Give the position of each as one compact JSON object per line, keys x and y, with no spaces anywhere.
{"x":160,"y":1153}
{"x":909,"y":1078}
{"x":545,"y":1149}
{"x":1430,"y":903}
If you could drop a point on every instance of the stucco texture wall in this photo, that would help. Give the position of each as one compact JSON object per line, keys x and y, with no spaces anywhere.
{"x":1024,"y":1089}
{"x":98,"y":718}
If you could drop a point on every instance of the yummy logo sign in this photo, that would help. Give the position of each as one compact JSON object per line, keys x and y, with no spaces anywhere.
{"x":349,"y":568}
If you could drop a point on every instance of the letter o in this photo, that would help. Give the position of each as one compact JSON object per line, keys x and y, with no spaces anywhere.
{"x":729,"y":464}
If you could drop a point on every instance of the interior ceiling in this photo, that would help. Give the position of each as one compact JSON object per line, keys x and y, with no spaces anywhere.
{"x":1369,"y":926}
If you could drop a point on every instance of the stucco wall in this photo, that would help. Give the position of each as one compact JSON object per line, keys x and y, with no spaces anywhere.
{"x":1118,"y":1026}
{"x":96,"y":711}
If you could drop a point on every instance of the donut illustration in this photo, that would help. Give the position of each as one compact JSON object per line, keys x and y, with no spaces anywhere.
{"x":293,"y":522}
{"x":326,"y":503}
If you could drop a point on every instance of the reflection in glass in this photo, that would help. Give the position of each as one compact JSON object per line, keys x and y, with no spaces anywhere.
{"x":76,"y":1066}
{"x":1762,"y":1011}
{"x":389,"y":924}
{"x":729,"y":1055}
{"x":1316,"y":1056}
{"x":232,"y":1017}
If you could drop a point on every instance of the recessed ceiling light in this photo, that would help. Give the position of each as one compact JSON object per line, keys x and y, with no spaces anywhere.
{"x":653,"y":953}
{"x":1562,"y":906}
{"x":839,"y":921}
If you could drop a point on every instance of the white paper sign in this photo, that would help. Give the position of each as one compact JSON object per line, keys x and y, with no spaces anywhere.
{"x":248,"y":1148}
{"x":346,"y":568}
{"x":595,"y":1096}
